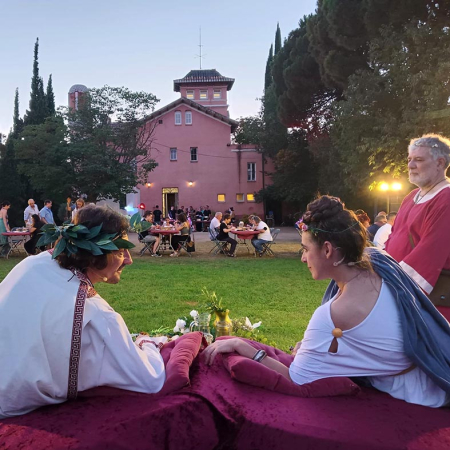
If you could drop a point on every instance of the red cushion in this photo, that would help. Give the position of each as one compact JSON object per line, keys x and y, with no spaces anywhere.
{"x":250,"y":372}
{"x":178,"y":356}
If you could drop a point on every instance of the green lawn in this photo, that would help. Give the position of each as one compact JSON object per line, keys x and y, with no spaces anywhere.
{"x":155,"y":292}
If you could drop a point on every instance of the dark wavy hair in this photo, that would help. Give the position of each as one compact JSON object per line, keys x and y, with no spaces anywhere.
{"x":181,"y":217}
{"x":91,"y":216}
{"x":328,"y":220}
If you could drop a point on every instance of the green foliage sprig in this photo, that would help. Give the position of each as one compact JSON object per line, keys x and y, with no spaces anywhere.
{"x":137,"y":224}
{"x":213,"y":304}
{"x":73,"y":237}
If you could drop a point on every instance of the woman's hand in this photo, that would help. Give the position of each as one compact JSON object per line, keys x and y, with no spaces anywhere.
{"x":228,"y":346}
{"x":296,"y":348}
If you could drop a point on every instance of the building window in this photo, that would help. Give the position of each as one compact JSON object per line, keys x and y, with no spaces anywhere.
{"x":250,"y":197}
{"x":203,"y":95}
{"x":217,"y":93}
{"x":239,"y":197}
{"x":190,"y":95}
{"x":177,"y":118}
{"x":251,"y":171}
{"x":173,"y":154}
{"x":188,"y":118}
{"x":194,"y":157}
{"x":221,"y":198}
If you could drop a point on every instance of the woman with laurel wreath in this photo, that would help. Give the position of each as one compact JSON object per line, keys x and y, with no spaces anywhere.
{"x":375,"y":322}
{"x":57,"y":335}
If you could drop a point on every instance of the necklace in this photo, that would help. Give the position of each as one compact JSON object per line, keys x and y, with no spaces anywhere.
{"x":349,"y":281}
{"x":420,"y":197}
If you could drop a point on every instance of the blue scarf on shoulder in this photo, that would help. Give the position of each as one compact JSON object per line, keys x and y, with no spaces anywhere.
{"x":426,"y":333}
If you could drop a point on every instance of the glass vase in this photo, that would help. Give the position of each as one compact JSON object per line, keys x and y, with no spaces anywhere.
{"x":223,"y":324}
{"x":201,"y":323}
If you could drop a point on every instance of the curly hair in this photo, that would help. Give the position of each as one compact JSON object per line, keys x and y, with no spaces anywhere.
{"x":328,"y":220}
{"x":91,"y":216}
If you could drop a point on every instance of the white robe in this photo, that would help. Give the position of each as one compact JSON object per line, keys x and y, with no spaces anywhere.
{"x":37,"y":301}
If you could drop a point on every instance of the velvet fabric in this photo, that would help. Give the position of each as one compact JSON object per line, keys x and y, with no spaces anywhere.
{"x":218,"y":412}
{"x":250,"y":372}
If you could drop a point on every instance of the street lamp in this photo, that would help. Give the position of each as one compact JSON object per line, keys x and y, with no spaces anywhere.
{"x":386,"y":187}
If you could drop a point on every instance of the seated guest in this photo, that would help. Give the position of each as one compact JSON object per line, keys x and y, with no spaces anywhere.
{"x":183,"y":227}
{"x":215,"y":224}
{"x":380,"y":220}
{"x":36,"y":225}
{"x":384,"y":232}
{"x":374,"y":322}
{"x":263,"y":237}
{"x":145,"y":236}
{"x":38,"y":331}
{"x":224,"y":229}
{"x":206,"y":213}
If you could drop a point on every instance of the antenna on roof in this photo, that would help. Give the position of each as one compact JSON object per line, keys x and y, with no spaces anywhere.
{"x":200,"y":45}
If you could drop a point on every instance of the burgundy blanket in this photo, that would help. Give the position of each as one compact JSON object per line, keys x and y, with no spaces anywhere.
{"x":218,"y":412}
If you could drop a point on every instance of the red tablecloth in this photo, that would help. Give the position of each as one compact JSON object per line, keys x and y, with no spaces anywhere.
{"x":16,"y":233}
{"x":245,"y":234}
{"x":163,"y":232}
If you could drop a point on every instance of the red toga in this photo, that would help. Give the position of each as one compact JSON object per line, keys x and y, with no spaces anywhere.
{"x":428,"y":223}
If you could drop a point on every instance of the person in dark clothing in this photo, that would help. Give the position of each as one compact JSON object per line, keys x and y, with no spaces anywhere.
{"x":223,"y":234}
{"x":379,"y":221}
{"x":172,"y":213}
{"x":157,"y":213}
{"x":37,"y":224}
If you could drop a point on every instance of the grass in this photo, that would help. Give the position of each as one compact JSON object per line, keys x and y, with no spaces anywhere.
{"x":155,"y":292}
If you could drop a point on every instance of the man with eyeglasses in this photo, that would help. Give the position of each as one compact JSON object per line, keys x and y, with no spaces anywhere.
{"x":420,"y":239}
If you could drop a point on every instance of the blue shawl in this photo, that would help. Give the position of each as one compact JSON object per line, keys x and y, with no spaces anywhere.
{"x":426,"y":333}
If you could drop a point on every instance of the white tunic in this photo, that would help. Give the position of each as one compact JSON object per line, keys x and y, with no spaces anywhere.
{"x":35,"y":338}
{"x":373,"y":348}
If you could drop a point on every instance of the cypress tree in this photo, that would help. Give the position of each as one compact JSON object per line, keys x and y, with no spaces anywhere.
{"x":17,"y":121}
{"x":277,"y":39}
{"x":38,"y":108}
{"x":50,"y":97}
{"x":268,"y":76}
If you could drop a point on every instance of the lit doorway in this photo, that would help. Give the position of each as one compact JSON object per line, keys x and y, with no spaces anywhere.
{"x":170,"y":198}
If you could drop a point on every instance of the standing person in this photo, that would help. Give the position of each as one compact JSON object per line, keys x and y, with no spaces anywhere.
{"x":420,"y":239}
{"x":69,"y":208}
{"x":36,"y":225}
{"x":383,"y":233}
{"x":263,"y":237}
{"x":172,"y":213}
{"x":46,"y":213}
{"x":379,"y":221}
{"x":40,"y":294}
{"x":232,"y":214}
{"x":157,"y":213}
{"x":4,"y":227}
{"x":31,"y":209}
{"x":363,"y":217}
{"x":223,"y":235}
{"x":78,"y":205}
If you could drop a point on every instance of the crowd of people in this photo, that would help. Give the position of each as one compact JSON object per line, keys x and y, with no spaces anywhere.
{"x":376,"y":321}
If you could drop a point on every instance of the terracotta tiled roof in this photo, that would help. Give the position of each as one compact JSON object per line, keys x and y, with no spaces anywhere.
{"x":202,"y":76}
{"x":194,"y":105}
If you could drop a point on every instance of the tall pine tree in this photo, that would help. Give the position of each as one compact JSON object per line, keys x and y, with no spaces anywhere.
{"x":17,"y":121}
{"x":38,"y":107}
{"x":50,"y":97}
{"x":268,"y":76}
{"x":277,"y":39}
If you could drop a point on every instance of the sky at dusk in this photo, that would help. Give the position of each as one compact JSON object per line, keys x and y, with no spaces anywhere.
{"x":141,"y":44}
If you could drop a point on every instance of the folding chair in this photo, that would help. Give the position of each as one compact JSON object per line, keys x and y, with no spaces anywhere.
{"x":183,"y":245}
{"x":219,"y":246}
{"x":147,"y":245}
{"x":267,"y":250}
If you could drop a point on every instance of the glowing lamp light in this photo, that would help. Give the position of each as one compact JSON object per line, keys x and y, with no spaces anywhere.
{"x":384,"y":187}
{"x":190,"y":183}
{"x":129,"y":208}
{"x":148,"y":185}
{"x":396,"y":186}
{"x":141,"y":205}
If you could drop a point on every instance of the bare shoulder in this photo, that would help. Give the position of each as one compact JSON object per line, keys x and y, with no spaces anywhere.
{"x":357,"y":301}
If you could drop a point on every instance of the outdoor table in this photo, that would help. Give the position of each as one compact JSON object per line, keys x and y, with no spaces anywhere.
{"x":16,"y":239}
{"x":161,"y":232}
{"x":243,"y":235}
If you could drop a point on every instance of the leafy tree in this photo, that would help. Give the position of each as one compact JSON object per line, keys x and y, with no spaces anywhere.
{"x":404,"y":95}
{"x":50,"y":97}
{"x":38,"y":107}
{"x":84,"y":152}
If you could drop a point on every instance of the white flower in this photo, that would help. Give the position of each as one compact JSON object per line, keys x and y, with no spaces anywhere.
{"x":181,"y":324}
{"x":249,"y":324}
{"x":176,"y":336}
{"x":185,"y":330}
{"x":176,"y":330}
{"x":194,"y":314}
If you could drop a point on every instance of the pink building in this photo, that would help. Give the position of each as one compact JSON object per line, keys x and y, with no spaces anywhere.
{"x":197,"y":164}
